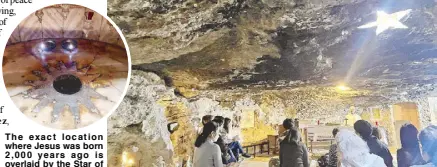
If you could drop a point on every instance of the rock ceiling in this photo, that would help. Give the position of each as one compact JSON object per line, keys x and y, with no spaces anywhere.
{"x":283,"y":44}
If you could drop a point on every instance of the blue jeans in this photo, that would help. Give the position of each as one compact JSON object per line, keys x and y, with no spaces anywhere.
{"x":236,"y":149}
{"x":232,"y":155}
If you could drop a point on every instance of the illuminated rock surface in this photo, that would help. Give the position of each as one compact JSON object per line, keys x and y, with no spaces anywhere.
{"x":140,"y":122}
{"x":280,"y":58}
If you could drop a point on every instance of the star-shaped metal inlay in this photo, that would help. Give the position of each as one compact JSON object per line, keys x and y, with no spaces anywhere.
{"x":45,"y":90}
{"x":386,"y":21}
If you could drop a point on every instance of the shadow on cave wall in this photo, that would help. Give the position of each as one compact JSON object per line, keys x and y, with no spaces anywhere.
{"x":274,"y":69}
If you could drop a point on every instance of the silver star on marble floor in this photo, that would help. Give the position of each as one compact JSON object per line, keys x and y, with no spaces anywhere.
{"x":44,"y":91}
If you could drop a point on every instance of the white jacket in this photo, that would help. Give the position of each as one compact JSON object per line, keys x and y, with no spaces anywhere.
{"x":354,"y":151}
{"x":371,"y":160}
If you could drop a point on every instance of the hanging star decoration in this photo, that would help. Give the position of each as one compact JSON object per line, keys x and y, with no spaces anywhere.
{"x":386,"y":21}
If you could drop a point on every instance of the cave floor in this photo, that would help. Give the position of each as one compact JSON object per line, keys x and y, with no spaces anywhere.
{"x":254,"y":164}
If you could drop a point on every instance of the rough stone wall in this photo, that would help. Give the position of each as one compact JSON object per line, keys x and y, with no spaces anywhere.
{"x":263,"y":120}
{"x":386,"y":122}
{"x":184,"y":137}
{"x":424,"y":111}
{"x":140,"y":122}
{"x":314,"y":103}
{"x":142,"y":118}
{"x":433,"y":108}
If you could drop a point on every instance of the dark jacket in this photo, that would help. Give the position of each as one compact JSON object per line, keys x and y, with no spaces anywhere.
{"x":224,"y":149}
{"x":409,"y":157}
{"x":380,"y":149}
{"x":410,"y":153}
{"x":365,"y":129}
{"x":292,"y":152}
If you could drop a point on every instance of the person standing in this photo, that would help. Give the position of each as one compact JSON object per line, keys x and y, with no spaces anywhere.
{"x":379,"y":133}
{"x":410,"y":153}
{"x":292,"y":152}
{"x":207,"y":153}
{"x":365,"y":129}
{"x":206,"y":119}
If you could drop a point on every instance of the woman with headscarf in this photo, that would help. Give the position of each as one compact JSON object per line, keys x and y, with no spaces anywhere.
{"x":292,"y":152}
{"x":364,"y":129}
{"x":409,"y":154}
{"x":354,"y":152}
{"x":207,"y":153}
{"x":428,"y":139}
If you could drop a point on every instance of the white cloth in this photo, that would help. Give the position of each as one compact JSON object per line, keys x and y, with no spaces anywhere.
{"x":370,"y":160}
{"x":207,"y":155}
{"x":354,"y":151}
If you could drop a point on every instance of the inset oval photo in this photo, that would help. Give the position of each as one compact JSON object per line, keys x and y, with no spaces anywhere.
{"x":66,"y":66}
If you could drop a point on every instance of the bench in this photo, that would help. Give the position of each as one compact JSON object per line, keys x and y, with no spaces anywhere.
{"x":260,"y":145}
{"x":320,"y":136}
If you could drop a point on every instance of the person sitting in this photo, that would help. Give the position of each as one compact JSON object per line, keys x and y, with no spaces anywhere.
{"x":206,"y":119}
{"x":410,"y":153}
{"x":332,"y":155}
{"x":227,"y":157}
{"x":354,"y":152}
{"x":428,"y":139}
{"x":206,"y":153}
{"x":364,"y":129}
{"x":292,"y":152}
{"x":233,"y":143}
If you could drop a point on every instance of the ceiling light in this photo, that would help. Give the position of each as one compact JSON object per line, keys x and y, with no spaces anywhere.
{"x":343,"y":87}
{"x":47,"y":46}
{"x":69,"y":45}
{"x":126,"y":160}
{"x":386,"y":21}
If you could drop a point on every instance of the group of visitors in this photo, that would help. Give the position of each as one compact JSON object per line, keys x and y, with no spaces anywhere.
{"x":367,"y":147}
{"x":215,"y":145}
{"x":363,"y":147}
